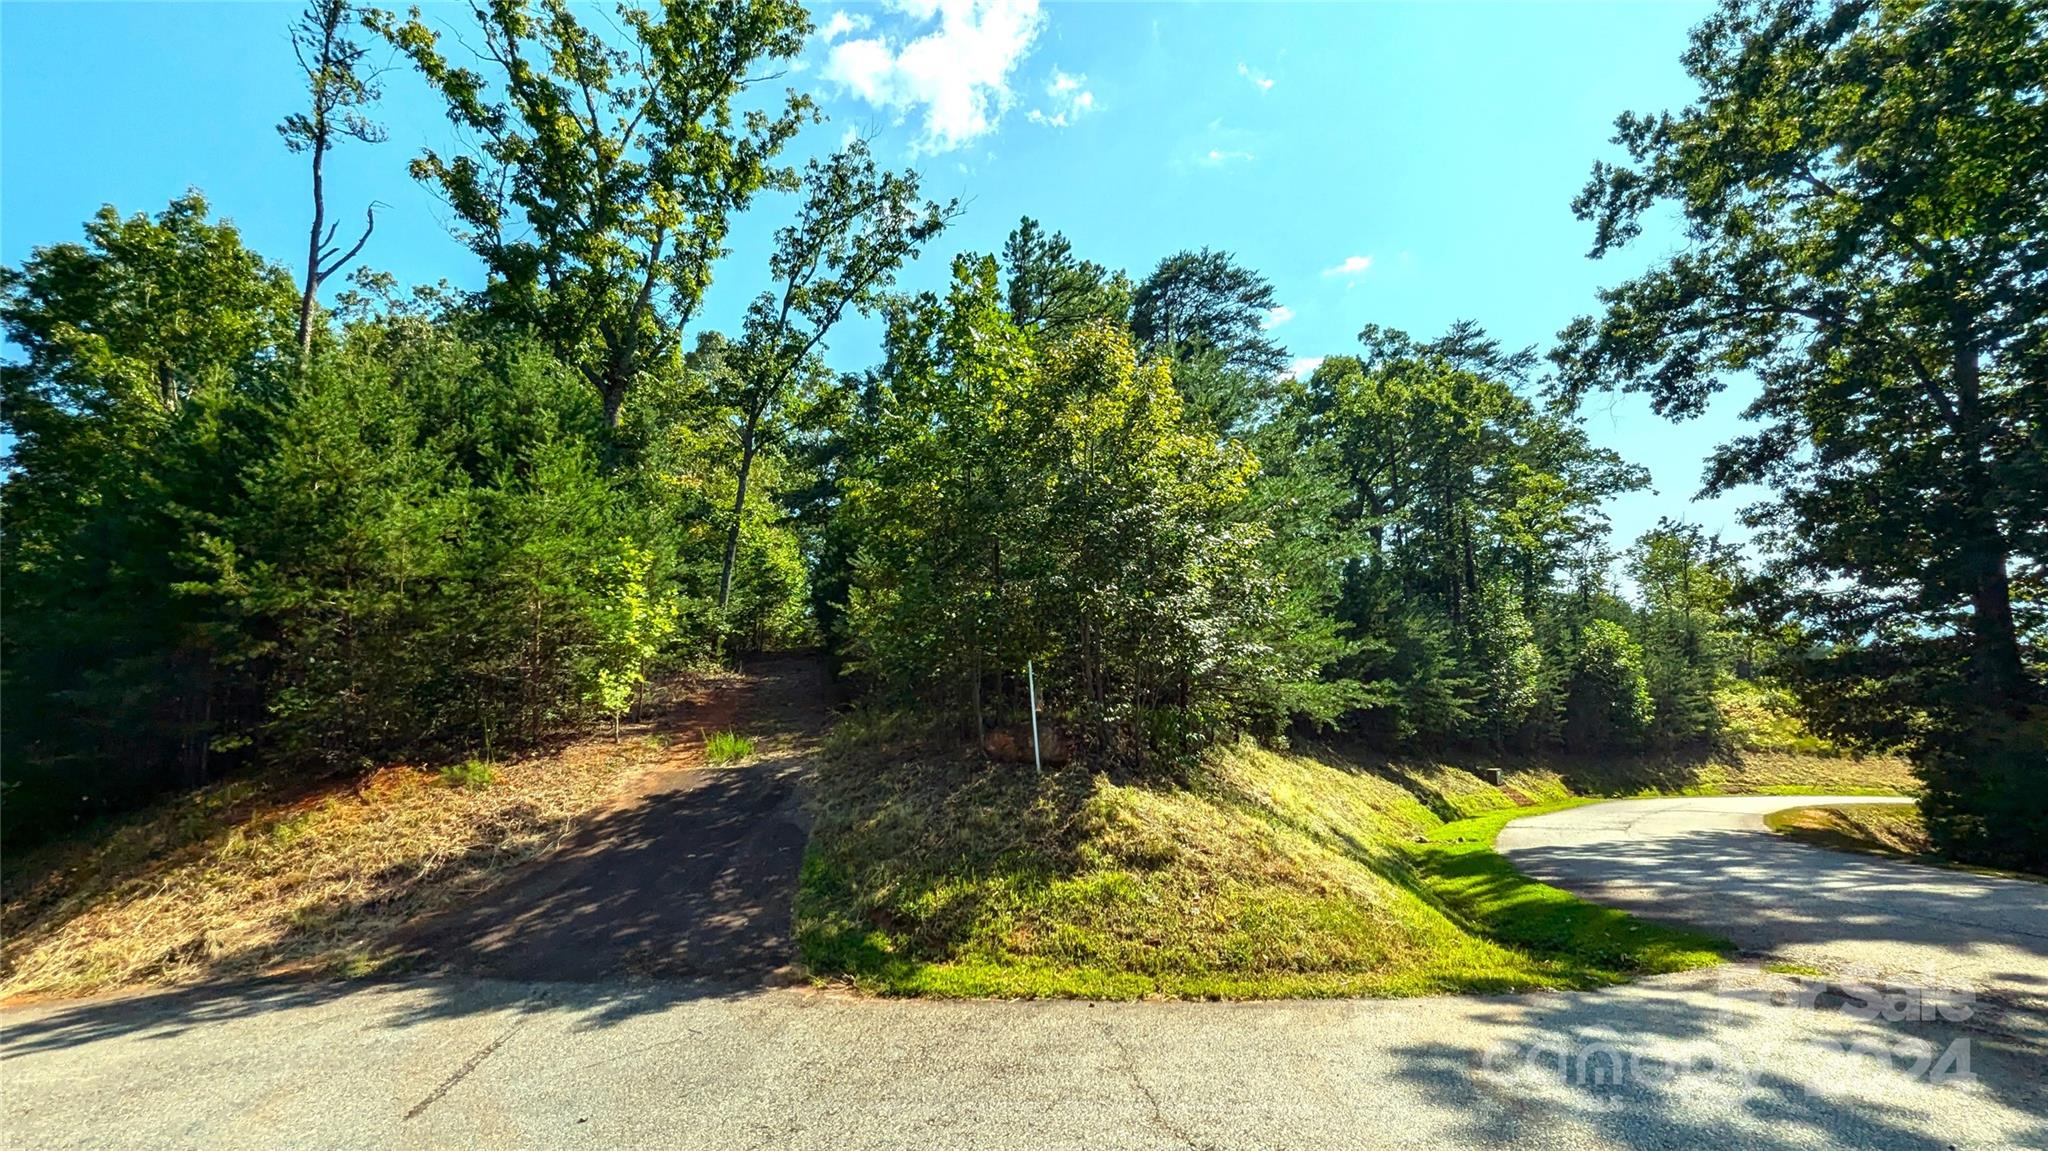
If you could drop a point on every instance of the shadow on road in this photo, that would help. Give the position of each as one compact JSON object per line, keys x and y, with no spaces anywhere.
{"x":1765,"y":893}
{"x":1667,"y":1068}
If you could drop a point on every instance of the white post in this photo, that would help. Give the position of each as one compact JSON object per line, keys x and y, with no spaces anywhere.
{"x":1031,"y":686}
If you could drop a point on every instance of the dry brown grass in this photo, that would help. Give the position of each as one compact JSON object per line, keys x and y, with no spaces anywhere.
{"x":1883,"y":829}
{"x":1737,"y":773}
{"x":272,"y":876}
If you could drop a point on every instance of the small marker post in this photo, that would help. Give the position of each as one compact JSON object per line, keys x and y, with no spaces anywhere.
{"x":1031,"y":686}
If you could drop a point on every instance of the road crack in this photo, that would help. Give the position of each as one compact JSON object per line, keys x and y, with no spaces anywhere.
{"x":1157,"y":1115}
{"x":468,"y":1065}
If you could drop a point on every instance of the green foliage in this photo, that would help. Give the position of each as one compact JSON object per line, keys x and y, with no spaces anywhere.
{"x":1985,"y":801}
{"x":604,"y":176}
{"x":147,"y":379}
{"x":1608,"y":705}
{"x":1050,"y":290}
{"x":1040,"y":498}
{"x":469,"y":775}
{"x":856,"y":229}
{"x":1863,"y":193}
{"x":1685,"y":582}
{"x":1446,"y":509}
{"x":726,"y":747}
{"x":411,"y":544}
{"x":439,"y":527}
{"x":1196,"y":305}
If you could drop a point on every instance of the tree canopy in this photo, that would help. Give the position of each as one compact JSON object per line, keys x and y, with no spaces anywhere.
{"x":429,"y":524}
{"x":1863,"y":193}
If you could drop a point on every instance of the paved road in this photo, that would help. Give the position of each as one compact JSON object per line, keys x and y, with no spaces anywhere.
{"x":1730,"y":1058}
{"x":1713,"y":863}
{"x":478,"y":1063}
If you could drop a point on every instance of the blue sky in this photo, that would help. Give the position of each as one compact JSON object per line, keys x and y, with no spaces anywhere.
{"x":1400,"y":164}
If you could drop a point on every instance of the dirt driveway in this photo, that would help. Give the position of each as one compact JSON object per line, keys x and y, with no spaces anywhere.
{"x":691,"y":875}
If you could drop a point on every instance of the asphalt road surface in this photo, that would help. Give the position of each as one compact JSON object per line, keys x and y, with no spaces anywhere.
{"x":1711,"y":862}
{"x":1735,"y":1057}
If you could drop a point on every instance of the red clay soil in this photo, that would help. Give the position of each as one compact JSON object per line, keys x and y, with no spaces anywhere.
{"x":690,"y":875}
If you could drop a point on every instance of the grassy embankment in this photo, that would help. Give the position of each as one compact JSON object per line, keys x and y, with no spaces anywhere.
{"x":1280,"y":874}
{"x":1895,"y":831}
{"x":1283,"y":874}
{"x":273,"y":874}
{"x":1879,"y":829}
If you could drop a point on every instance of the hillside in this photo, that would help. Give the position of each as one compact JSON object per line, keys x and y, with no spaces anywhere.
{"x":1281,"y":874}
{"x":273,"y":874}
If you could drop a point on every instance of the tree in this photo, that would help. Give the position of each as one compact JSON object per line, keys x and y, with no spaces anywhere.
{"x":1049,"y":290}
{"x":1865,"y":193}
{"x":1608,"y":705}
{"x":1023,"y":499}
{"x":604,"y":178}
{"x":1207,"y":315}
{"x":145,"y":384}
{"x":857,"y":227}
{"x":140,"y":317}
{"x":1196,"y":302}
{"x":1455,"y":502}
{"x":335,"y":82}
{"x":1686,"y":583}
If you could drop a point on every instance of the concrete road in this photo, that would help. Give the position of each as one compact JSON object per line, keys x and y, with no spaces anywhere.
{"x":1711,"y":862}
{"x":1733,"y":1058}
{"x":1705,"y":1060}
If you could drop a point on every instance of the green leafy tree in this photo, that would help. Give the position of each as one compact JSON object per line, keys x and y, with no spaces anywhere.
{"x":145,"y":380}
{"x":605,"y":176}
{"x":1609,"y":704}
{"x":1196,"y":302}
{"x":1046,"y":500}
{"x":858,"y":226}
{"x":1686,"y":582}
{"x":1207,"y":314}
{"x":1455,"y":503}
{"x":1863,"y":191}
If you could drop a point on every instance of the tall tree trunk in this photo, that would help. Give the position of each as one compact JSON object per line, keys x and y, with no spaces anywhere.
{"x":313,"y":246}
{"x":739,"y":507}
{"x":1995,"y":646}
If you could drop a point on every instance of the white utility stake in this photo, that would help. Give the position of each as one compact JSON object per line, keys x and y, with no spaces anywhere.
{"x":1031,"y":686}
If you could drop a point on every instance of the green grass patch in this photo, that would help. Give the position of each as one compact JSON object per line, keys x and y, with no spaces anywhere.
{"x":470,"y":775}
{"x":726,"y":747}
{"x":1482,"y":889}
{"x":1277,"y":875}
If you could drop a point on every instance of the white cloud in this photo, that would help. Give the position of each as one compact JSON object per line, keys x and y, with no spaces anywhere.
{"x":1277,"y":316}
{"x":842,"y":23}
{"x":1260,"y":80}
{"x":1217,"y":157}
{"x":1305,"y":367}
{"x":1069,"y":99}
{"x":955,"y":76}
{"x":1352,"y":267}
